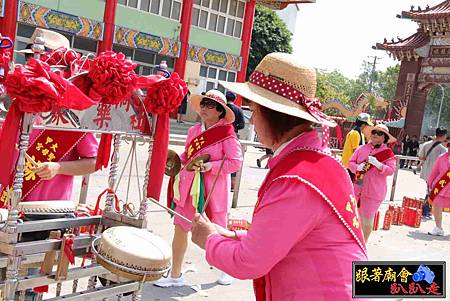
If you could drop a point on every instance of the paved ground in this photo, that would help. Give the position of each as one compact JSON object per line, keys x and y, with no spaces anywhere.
{"x":399,"y":243}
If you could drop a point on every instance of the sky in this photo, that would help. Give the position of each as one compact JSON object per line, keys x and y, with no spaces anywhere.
{"x":339,"y":34}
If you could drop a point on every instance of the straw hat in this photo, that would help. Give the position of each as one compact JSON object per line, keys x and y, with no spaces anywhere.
{"x":27,"y":50}
{"x":218,"y":97}
{"x":383,"y":128}
{"x":52,"y":39}
{"x":284,"y":85}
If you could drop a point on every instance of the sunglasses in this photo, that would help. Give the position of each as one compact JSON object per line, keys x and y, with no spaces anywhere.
{"x":378,"y":133}
{"x":208,"y":103}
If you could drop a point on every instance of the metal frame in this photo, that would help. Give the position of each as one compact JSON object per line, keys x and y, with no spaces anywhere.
{"x":18,"y":254}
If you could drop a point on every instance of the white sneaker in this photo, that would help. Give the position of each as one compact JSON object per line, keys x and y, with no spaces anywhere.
{"x":437,"y":231}
{"x":170,"y":282}
{"x":225,"y":279}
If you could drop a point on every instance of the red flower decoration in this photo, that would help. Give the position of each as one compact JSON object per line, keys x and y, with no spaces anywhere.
{"x":31,"y":88}
{"x":112,"y":76}
{"x":60,"y":56}
{"x":165,"y":95}
{"x":5,"y":57}
{"x":36,"y":89}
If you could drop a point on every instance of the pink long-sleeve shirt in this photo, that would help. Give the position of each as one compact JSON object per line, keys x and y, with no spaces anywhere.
{"x":441,"y":166}
{"x":295,"y":240}
{"x":375,"y":183}
{"x":231,"y":147}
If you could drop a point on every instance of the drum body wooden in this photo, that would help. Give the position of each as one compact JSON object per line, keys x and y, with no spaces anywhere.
{"x":133,"y":253}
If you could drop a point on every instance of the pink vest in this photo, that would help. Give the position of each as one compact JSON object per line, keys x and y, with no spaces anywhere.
{"x":308,"y":166}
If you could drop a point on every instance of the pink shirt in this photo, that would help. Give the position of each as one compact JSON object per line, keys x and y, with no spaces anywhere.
{"x":219,"y":201}
{"x":441,"y":166}
{"x":61,"y":186}
{"x":295,"y":239}
{"x":375,"y":180}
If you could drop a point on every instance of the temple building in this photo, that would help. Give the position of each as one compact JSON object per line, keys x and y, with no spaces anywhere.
{"x":425,"y":61}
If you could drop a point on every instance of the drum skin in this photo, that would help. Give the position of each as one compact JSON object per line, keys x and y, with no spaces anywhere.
{"x":134,"y":248}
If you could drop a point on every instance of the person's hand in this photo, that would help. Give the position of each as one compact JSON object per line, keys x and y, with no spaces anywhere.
{"x":225,"y":232}
{"x":201,"y":229}
{"x":361,"y":166}
{"x":47,"y":170}
{"x":205,"y":167}
{"x":374,"y":161}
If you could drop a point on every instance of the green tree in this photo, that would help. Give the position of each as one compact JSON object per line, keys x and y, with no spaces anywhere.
{"x":387,"y":82}
{"x":270,"y":34}
{"x":331,"y":85}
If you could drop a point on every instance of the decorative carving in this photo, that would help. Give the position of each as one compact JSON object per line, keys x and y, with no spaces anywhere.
{"x":45,"y":17}
{"x":135,"y":39}
{"x":216,"y":58}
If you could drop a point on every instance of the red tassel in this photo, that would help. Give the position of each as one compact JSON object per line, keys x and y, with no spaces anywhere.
{"x":104,"y":151}
{"x":68,"y":250}
{"x":10,"y":131}
{"x":170,"y":193}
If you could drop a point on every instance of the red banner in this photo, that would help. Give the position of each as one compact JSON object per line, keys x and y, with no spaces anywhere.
{"x":49,"y":146}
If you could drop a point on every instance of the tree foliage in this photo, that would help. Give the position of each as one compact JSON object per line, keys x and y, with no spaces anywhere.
{"x":331,"y":85}
{"x":270,"y":34}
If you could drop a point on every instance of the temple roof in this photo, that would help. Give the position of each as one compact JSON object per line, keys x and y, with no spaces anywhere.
{"x":439,"y":11}
{"x":417,"y":40}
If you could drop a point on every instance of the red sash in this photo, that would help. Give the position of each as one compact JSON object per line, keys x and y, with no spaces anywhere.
{"x":49,"y":146}
{"x":209,"y":137}
{"x":382,"y":156}
{"x":308,"y":166}
{"x":440,"y":185}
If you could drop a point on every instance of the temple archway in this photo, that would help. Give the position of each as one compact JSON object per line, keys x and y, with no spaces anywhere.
{"x":425,"y":62}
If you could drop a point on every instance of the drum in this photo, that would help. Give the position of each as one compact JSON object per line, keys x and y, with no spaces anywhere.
{"x":133,"y":253}
{"x":36,"y":210}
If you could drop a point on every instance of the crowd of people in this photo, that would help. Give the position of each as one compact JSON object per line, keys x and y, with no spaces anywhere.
{"x":303,"y":223}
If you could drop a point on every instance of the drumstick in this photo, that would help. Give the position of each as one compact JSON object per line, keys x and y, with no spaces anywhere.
{"x":214,"y":184}
{"x":31,"y":160}
{"x":170,"y":210}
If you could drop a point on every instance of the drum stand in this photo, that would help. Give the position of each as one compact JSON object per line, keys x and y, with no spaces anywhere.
{"x":15,"y":255}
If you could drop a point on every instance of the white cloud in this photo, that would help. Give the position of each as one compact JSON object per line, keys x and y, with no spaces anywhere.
{"x":339,"y":34}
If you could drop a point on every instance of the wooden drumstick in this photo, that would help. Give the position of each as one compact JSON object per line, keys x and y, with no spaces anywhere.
{"x":29,"y":158}
{"x":170,"y":210}
{"x":214,"y":184}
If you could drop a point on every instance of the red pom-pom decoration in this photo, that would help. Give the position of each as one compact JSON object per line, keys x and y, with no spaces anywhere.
{"x":165,"y":95}
{"x":112,"y":75}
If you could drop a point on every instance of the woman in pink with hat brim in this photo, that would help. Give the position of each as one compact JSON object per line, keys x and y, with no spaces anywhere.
{"x":221,"y":145}
{"x":372,"y":163}
{"x":305,"y":231}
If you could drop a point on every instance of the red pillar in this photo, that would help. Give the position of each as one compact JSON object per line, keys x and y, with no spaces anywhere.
{"x":8,"y":23}
{"x":108,"y":30}
{"x":246,"y":39}
{"x":186,"y":16}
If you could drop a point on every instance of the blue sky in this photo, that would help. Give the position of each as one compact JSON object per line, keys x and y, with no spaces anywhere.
{"x":339,"y":34}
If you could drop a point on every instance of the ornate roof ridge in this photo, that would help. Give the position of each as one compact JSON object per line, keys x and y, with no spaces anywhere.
{"x":441,"y":10}
{"x":417,"y":40}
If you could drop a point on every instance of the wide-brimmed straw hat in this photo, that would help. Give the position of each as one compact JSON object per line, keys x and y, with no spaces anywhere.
{"x":52,"y":39}
{"x":26,"y":50}
{"x":284,"y":85}
{"x":218,"y":97}
{"x":383,"y":128}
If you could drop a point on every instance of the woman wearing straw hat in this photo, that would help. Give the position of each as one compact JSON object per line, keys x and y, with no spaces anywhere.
{"x":372,"y":164}
{"x":213,"y":138}
{"x":304,"y":222}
